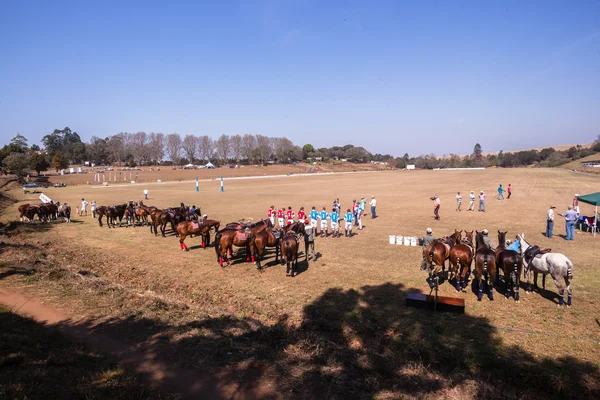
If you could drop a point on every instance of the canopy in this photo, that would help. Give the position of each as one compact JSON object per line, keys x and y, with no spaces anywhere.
{"x":593,"y":199}
{"x":209,"y":165}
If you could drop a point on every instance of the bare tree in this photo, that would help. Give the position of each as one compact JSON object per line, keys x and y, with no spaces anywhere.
{"x":173,"y":146}
{"x":139,"y":147}
{"x":236,"y":147}
{"x":190,"y":147}
{"x":263,"y":148}
{"x":248,"y":146}
{"x":206,"y":147}
{"x":284,"y":150}
{"x":223,"y":147}
{"x":157,"y":146}
{"x":116,"y":148}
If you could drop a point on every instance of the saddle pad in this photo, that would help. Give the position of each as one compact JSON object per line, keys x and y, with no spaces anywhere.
{"x":276,"y":234}
{"x":195,"y":225}
{"x":240,"y":235}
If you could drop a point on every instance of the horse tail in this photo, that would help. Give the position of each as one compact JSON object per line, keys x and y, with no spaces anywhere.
{"x":217,"y":243}
{"x":569,"y":269}
{"x":288,"y":252}
{"x":431,"y":254}
{"x":485,"y":264}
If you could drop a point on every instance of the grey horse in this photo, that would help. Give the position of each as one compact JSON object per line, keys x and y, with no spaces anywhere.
{"x":544,"y":262}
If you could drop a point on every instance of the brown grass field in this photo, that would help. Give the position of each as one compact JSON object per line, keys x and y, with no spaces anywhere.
{"x":340,"y":328}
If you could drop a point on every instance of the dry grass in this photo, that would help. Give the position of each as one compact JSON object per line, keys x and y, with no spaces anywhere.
{"x":339,"y":327}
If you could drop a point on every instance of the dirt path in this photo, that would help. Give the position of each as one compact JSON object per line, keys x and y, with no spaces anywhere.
{"x":188,"y":384}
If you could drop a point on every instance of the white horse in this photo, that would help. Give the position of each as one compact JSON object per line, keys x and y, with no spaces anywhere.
{"x":555,"y":264}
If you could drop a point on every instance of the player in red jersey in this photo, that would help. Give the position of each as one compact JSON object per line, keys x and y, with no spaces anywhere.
{"x":271,"y":215}
{"x":290,"y":215}
{"x":280,"y":214}
{"x":301,"y":214}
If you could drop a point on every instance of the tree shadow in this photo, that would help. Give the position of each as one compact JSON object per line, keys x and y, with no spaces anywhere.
{"x":16,"y":271}
{"x":355,"y":344}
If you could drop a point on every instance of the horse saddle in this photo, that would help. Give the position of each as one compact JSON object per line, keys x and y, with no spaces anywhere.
{"x":241,"y":235}
{"x":195,"y":225}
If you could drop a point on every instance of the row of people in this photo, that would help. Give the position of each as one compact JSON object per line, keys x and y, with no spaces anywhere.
{"x":314,"y":217}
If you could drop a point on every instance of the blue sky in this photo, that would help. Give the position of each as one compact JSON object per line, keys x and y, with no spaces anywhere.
{"x":392,"y":76}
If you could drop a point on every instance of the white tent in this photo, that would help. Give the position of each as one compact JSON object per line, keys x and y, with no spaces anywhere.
{"x":209,"y":165}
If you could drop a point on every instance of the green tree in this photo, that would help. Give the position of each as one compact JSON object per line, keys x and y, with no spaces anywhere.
{"x":15,"y":163}
{"x":307,"y":149}
{"x":34,"y":147}
{"x":477,"y":152}
{"x":61,"y":140}
{"x":38,"y":162}
{"x":20,"y":141}
{"x":59,"y":161}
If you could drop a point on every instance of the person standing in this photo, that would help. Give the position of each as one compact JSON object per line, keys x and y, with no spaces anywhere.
{"x":500,"y":195}
{"x":314,"y":215}
{"x":93,"y":205}
{"x":436,"y":207}
{"x":301,"y":214}
{"x":359,"y":215}
{"x":482,"y":201}
{"x":509,"y":191}
{"x":335,"y":226}
{"x":289,"y":215}
{"x":354,"y":211}
{"x":323,"y":215}
{"x":427,"y":240}
{"x":550,"y":222}
{"x":487,"y":241}
{"x":338,"y":205}
{"x":373,"y":205}
{"x":348,"y":225}
{"x":280,"y":214}
{"x":310,"y":235}
{"x":84,"y":205}
{"x":145,"y":194}
{"x":271,"y":215}
{"x":362,"y":203}
{"x":471,"y":201}
{"x":458,"y":201}
{"x":576,"y":203}
{"x":570,"y":218}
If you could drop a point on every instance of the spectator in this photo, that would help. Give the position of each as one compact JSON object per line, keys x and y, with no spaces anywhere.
{"x":436,"y":206}
{"x":373,"y":205}
{"x":500,"y":195}
{"x":84,"y":205}
{"x":576,"y":203}
{"x":471,"y":201}
{"x":427,"y":240}
{"x":310,"y":234}
{"x":93,"y":205}
{"x":145,"y":194}
{"x":550,"y":222}
{"x":355,"y":211}
{"x":487,"y":241}
{"x":458,"y":201}
{"x":509,"y":191}
{"x":570,"y":218}
{"x":482,"y":201}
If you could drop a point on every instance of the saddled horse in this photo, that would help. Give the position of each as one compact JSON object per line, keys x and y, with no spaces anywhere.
{"x":173,"y":216}
{"x":154,"y":220}
{"x":208,"y":225}
{"x":544,"y":262}
{"x":461,"y":258}
{"x":226,"y":238}
{"x":436,"y":254}
{"x":289,"y":251}
{"x":511,"y":264}
{"x":64,"y":211}
{"x":262,"y":240}
{"x":186,"y":228}
{"x":300,"y":230}
{"x":113,"y":213}
{"x":485,"y":266}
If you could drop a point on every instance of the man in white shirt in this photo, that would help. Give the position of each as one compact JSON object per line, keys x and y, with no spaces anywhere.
{"x":458,"y":201}
{"x":550,"y":222}
{"x":145,"y":194}
{"x":471,"y":201}
{"x":84,"y":204}
{"x":373,"y":205}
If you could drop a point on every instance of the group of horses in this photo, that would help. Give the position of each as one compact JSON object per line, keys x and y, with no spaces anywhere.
{"x":46,"y":212}
{"x":461,"y":249}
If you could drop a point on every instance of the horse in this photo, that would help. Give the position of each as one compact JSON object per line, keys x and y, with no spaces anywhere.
{"x":289,"y":251}
{"x":208,"y":225}
{"x":299,"y":229}
{"x":186,"y":228}
{"x":436,"y":254}
{"x":154,"y":220}
{"x":113,"y":213}
{"x":485,"y":266}
{"x":461,"y":258}
{"x":226,"y":238}
{"x":511,"y":264}
{"x":64,"y":210}
{"x":545,"y":262}
{"x":101,"y":212}
{"x":22,"y":210}
{"x":31,"y":211}
{"x":262,"y":240}
{"x":174,"y":216}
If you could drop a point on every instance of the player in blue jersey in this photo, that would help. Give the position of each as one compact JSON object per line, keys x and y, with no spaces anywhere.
{"x":324,"y":216}
{"x":314,"y":215}
{"x":349,"y":217}
{"x":335,"y":227}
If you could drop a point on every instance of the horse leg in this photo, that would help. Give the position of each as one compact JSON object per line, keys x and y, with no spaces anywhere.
{"x":544,"y":281}
{"x":569,"y":291}
{"x":480,"y":288}
{"x":491,"y":284}
{"x":457,"y":276}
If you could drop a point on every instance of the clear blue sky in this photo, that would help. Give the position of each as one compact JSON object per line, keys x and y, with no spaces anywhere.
{"x":394,"y":76}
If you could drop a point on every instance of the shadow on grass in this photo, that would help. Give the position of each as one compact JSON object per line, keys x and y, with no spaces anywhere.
{"x":357,"y":344}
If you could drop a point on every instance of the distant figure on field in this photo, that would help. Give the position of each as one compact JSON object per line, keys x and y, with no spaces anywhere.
{"x":482,"y":201}
{"x":271,"y":215}
{"x":509,"y":191}
{"x":77,"y":211}
{"x":373,"y":205}
{"x":280,"y":214}
{"x":348,"y":226}
{"x":145,"y":194}
{"x":500,"y":195}
{"x":427,"y":240}
{"x":301,"y":214}
{"x":355,"y":211}
{"x":570,"y":218}
{"x":487,"y":241}
{"x":324,"y":216}
{"x":290,"y":215}
{"x":458,"y":201}
{"x":314,"y":215}
{"x":310,"y":234}
{"x":335,"y":225}
{"x":471,"y":201}
{"x":576,"y":203}
{"x":93,"y":206}
{"x":84,"y":205}
{"x":359,"y":215}
{"x":550,"y":222}
{"x":436,"y":206}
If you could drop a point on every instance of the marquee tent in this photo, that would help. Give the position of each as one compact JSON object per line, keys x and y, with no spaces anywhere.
{"x":593,"y":199}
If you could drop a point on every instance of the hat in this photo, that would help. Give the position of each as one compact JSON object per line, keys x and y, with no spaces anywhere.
{"x":576,"y":194}
{"x":570,"y":207}
{"x":372,"y":197}
{"x":428,"y":230}
{"x":205,"y":215}
{"x":481,"y":191}
{"x":552,"y":206}
{"x":485,"y":231}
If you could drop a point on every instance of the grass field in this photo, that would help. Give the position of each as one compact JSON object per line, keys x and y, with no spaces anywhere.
{"x":339,"y":328}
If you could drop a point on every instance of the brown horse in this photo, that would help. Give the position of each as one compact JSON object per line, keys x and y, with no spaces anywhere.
{"x":154,"y":220}
{"x":511,"y":264}
{"x":289,"y":251}
{"x":208,"y":225}
{"x":186,"y":228}
{"x":170,"y":215}
{"x":226,"y":238}
{"x":262,"y":240}
{"x":299,"y":229}
{"x":436,"y":254}
{"x":485,"y":266}
{"x":22,"y":210}
{"x":461,"y":258}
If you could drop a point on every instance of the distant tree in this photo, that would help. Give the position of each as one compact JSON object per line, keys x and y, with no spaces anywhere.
{"x":97,"y":152}
{"x":248,"y":147}
{"x":597,"y":139}
{"x":59,"y":161}
{"x":78,"y":152}
{"x":236,"y":147}
{"x":20,"y":142}
{"x":596,"y":147}
{"x":223,"y":146}
{"x":572,"y":151}
{"x":115,"y":148}
{"x":263,"y":148}
{"x":156,"y":147}
{"x":15,"y":163}
{"x":62,"y":140}
{"x":190,"y":147}
{"x":34,"y":147}
{"x":546,"y":153}
{"x":357,"y":154}
{"x":477,"y":152}
{"x":307,"y":149}
{"x":38,"y":162}
{"x":206,"y":147}
{"x":173,"y":146}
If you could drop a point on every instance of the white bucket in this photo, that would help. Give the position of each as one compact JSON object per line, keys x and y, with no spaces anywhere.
{"x":413,"y":241}
{"x":392,"y":239}
{"x":399,"y":240}
{"x":406,"y":240}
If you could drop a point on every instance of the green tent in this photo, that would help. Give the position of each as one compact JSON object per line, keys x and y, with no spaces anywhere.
{"x":593,"y":199}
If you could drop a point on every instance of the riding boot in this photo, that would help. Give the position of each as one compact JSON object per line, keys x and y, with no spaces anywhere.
{"x":491,"y":293}
{"x":561,"y":300}
{"x":569,"y":299}
{"x":457,"y":285}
